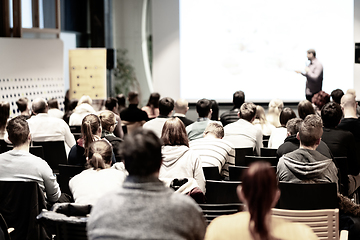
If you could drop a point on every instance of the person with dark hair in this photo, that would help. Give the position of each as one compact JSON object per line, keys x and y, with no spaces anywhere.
{"x":215,"y":110}
{"x":121,"y":102}
{"x":54,"y":110}
{"x":336,"y":95}
{"x":259,"y":192}
{"x":313,"y":74}
{"x":71,"y":106}
{"x":341,"y":143}
{"x":46,"y":128}
{"x":196,"y":129}
{"x":145,"y":208}
{"x":181,"y":107}
{"x":242,"y":133}
{"x":166,"y":107}
{"x":111,"y":104}
{"x":233,"y":114}
{"x":152,"y":106}
{"x":4,"y":116}
{"x":22,"y":104}
{"x":305,"y":108}
{"x":279,"y":134}
{"x":179,"y":161}
{"x":20,"y":165}
{"x":98,"y":179}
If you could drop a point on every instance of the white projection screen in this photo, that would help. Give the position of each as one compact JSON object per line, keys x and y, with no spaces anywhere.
{"x":256,"y":46}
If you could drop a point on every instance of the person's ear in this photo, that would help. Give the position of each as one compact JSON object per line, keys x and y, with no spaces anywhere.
{"x":240,"y":194}
{"x":298,"y":136}
{"x":276,"y":198}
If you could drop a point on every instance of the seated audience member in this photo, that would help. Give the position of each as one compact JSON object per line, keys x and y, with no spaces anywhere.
{"x":152,"y":106}
{"x":54,"y":110}
{"x":259,"y":192}
{"x":213,"y":150}
{"x":279,"y":134}
{"x":166,"y":107}
{"x":23,"y":106}
{"x":179,"y":161}
{"x":71,"y":106}
{"x":233,"y":114}
{"x":133,"y":117}
{"x":181,"y":107}
{"x":336,"y":95}
{"x":108,"y":123}
{"x":306,"y":164}
{"x":4,"y":116}
{"x":261,"y":121}
{"x":46,"y":128}
{"x":319,"y":100}
{"x":215,"y":110}
{"x":352,"y":92}
{"x":121,"y":102}
{"x":305,"y":108}
{"x":340,"y":142}
{"x":242,"y":133}
{"x":143,"y":208}
{"x":111,"y":104}
{"x":196,"y":129}
{"x":20,"y":165}
{"x":274,"y":110}
{"x":350,"y":122}
{"x":99,"y":179}
{"x":83,"y":108}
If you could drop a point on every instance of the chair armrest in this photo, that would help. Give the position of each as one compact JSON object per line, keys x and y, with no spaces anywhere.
{"x":344,"y":234}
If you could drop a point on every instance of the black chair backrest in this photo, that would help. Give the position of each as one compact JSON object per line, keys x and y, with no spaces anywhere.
{"x":75,"y":129}
{"x":221,"y":191}
{"x":250,"y":159}
{"x":54,"y":153}
{"x":66,"y":172}
{"x":268,"y":152}
{"x":35,"y":150}
{"x":236,"y":172}
{"x":211,"y":173}
{"x":3,"y":229}
{"x":3,"y":146}
{"x":240,"y":154}
{"x":20,"y":203}
{"x":343,"y":168}
{"x":266,"y":140}
{"x":307,"y":196}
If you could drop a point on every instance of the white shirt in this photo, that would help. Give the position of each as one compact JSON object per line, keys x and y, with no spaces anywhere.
{"x":156,"y":125}
{"x":277,"y":137}
{"x":54,"y":112}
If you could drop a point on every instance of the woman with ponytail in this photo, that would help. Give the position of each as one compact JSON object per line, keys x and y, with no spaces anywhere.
{"x":259,"y":192}
{"x":98,"y":179}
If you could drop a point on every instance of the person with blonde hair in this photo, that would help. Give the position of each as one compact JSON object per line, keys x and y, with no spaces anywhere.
{"x":275,"y":108}
{"x":261,"y":121}
{"x":352,"y":92}
{"x":259,"y":192}
{"x":84,"y":107}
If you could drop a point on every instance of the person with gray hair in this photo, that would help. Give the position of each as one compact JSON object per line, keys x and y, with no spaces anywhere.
{"x":83,"y":108}
{"x":214,"y":150}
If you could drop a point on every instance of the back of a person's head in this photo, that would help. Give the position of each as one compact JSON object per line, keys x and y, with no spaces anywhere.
{"x":247,"y":111}
{"x":85,"y":99}
{"x":153,"y":100}
{"x":310,"y":130}
{"x":99,"y":154}
{"x":133,"y":97}
{"x":18,"y":131}
{"x":331,"y":114}
{"x":174,"y":133}
{"x":293,"y":125}
{"x":89,"y":127}
{"x":53,"y":103}
{"x":351,"y":91}
{"x":166,"y":105}
{"x":320,"y":99}
{"x":203,"y":107}
{"x":305,"y":108}
{"x":260,"y":190}
{"x":336,"y":95}
{"x":214,"y":128}
{"x":4,"y":113}
{"x":275,"y":106}
{"x":22,"y":104}
{"x":107,"y":119}
{"x":348,"y":101}
{"x":181,"y":105}
{"x":285,"y":115}
{"x":215,"y":110}
{"x":312,"y":51}
{"x":39,"y":105}
{"x":121,"y":99}
{"x":238,"y":98}
{"x":260,"y":114}
{"x":111,"y":103}
{"x":141,"y":152}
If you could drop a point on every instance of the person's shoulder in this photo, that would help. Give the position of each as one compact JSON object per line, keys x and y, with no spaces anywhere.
{"x":283,"y":229}
{"x":181,"y":202}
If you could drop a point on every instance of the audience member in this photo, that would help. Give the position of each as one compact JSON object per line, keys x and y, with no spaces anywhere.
{"x":166,"y":107}
{"x":352,"y":92}
{"x":279,"y":134}
{"x":341,"y":142}
{"x":84,"y":107}
{"x":319,"y":100}
{"x":20,"y":165}
{"x":196,"y":129}
{"x":46,"y":128}
{"x":99,"y":179}
{"x":350,"y":122}
{"x":54,"y":110}
{"x":181,"y":107}
{"x":111,"y":104}
{"x":152,"y":106}
{"x":213,"y":150}
{"x":71,"y":106}
{"x":233,"y":114}
{"x":242,"y":133}
{"x":259,"y":192}
{"x":305,"y":108}
{"x":336,"y":95}
{"x":143,"y":208}
{"x":23,"y":106}
{"x":179,"y":161}
{"x":108,"y":124}
{"x":121,"y":102}
{"x":215,"y":110}
{"x":4,"y":116}
{"x":275,"y":108}
{"x":261,"y":121}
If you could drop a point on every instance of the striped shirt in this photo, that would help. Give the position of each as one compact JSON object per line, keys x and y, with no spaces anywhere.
{"x":229,"y":117}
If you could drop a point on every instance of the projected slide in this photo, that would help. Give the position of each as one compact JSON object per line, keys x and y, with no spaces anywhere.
{"x":256,"y":46}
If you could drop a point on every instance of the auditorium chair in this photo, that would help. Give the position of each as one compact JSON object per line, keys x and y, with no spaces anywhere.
{"x":240,"y":154}
{"x":211,"y":173}
{"x":221,"y":191}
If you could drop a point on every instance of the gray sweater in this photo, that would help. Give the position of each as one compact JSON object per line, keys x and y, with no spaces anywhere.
{"x":145,"y":209}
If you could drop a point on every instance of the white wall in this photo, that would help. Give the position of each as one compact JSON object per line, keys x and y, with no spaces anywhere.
{"x":357,"y":39}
